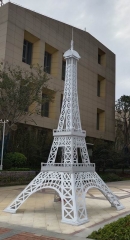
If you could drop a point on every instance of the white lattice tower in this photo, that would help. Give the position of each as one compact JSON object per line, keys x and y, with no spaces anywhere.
{"x":70,"y":179}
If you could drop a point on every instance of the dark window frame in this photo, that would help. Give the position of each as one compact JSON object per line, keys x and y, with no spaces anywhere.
{"x":101,"y":55}
{"x":99,"y":59}
{"x":98,"y":88}
{"x":27,"y":52}
{"x":47,"y":62}
{"x":63,"y":69}
{"x":98,"y":115}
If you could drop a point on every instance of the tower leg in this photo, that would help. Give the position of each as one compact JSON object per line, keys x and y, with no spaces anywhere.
{"x":71,"y":188}
{"x":92,"y":180}
{"x":42,"y":180}
{"x":73,"y":200}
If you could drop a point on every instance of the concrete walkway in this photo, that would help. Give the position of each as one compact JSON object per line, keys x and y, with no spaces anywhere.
{"x":40,"y":215}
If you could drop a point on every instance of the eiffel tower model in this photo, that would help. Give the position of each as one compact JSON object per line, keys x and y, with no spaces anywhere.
{"x":69,"y":178}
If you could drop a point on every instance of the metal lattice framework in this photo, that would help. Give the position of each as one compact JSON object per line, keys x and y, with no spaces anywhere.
{"x":70,"y":179}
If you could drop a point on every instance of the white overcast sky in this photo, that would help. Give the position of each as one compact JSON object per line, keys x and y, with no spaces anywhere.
{"x":106,"y":20}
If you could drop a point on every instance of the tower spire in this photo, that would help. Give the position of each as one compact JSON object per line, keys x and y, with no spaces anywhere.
{"x":72,"y":42}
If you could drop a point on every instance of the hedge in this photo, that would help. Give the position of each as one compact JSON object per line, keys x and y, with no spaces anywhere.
{"x":119,"y":230}
{"x":8,"y":178}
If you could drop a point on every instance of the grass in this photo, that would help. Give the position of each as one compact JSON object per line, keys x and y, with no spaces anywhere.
{"x":119,"y":230}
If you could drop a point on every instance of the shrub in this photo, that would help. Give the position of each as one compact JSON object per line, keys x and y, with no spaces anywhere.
{"x":110,"y":177}
{"x":8,"y":178}
{"x":119,"y":230}
{"x":13,"y":160}
{"x":19,"y":169}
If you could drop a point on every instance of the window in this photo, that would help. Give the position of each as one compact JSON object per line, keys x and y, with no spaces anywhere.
{"x":101,"y":86}
{"x":27,"y":52}
{"x":45,"y":106}
{"x":97,"y":121}
{"x":98,"y":88}
{"x":100,"y":120}
{"x":47,"y":62}
{"x":101,"y":57}
{"x":63,"y":70}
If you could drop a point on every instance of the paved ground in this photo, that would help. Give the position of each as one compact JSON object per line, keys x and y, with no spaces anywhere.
{"x":10,"y":234}
{"x":40,"y":215}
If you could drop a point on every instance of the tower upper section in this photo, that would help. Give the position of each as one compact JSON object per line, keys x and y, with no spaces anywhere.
{"x":71,"y":52}
{"x":69,"y":121}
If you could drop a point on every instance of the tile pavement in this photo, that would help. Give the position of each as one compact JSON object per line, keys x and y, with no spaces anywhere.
{"x":4,"y":230}
{"x":42,"y":216}
{"x":25,"y":236}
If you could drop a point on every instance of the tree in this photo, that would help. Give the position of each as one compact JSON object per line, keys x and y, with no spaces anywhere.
{"x":20,"y":89}
{"x":122,"y":108}
{"x":102,"y":155}
{"x":35,"y":144}
{"x":119,"y":136}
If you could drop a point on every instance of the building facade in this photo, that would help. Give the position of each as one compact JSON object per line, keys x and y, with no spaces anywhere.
{"x":27,"y":37}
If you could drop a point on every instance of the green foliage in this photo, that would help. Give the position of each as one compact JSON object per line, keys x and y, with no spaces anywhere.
{"x":102,"y":155}
{"x":33,"y":142}
{"x":19,"y":169}
{"x":119,"y":230}
{"x":119,"y":135}
{"x":8,"y":178}
{"x":123,"y":104}
{"x":110,"y":177}
{"x":121,"y":160}
{"x":14,"y":160}
{"x":19,"y":89}
{"x":106,"y":157}
{"x":122,"y":108}
{"x":21,"y":97}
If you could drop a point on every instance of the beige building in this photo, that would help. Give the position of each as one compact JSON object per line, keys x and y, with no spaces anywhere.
{"x":27,"y":37}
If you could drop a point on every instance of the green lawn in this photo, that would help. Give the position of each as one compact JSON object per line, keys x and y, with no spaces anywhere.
{"x":119,"y":230}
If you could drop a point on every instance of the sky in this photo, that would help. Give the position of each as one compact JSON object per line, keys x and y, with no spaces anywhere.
{"x":106,"y":20}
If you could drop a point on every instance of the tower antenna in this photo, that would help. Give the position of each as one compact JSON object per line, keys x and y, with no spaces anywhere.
{"x":72,"y":42}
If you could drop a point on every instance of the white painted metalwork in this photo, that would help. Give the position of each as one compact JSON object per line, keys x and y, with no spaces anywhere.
{"x":70,"y":179}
